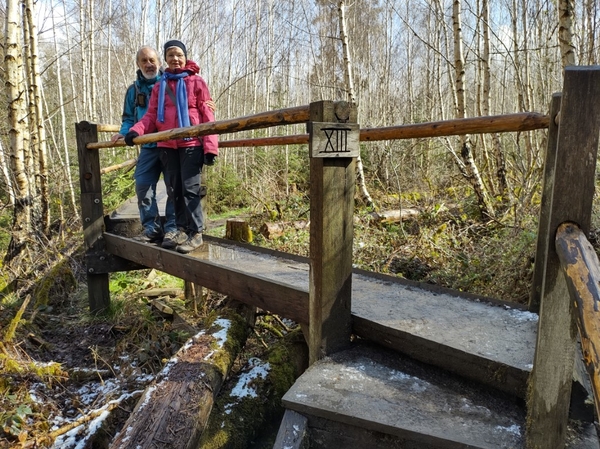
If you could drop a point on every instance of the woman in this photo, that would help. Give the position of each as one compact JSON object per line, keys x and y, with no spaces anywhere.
{"x":179,"y":100}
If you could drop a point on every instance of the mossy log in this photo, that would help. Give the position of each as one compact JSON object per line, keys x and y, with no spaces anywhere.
{"x":273,"y":230}
{"x":252,"y":406}
{"x":174,"y":409}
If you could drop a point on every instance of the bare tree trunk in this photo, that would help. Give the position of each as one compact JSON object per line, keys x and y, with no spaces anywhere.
{"x":70,"y":56}
{"x":566,"y":11}
{"x":360,"y":173}
{"x":37,"y":120}
{"x":17,"y":121}
{"x":92,"y":61}
{"x":63,"y":121}
{"x":496,"y":144}
{"x":467,"y":156}
{"x":7,"y":176}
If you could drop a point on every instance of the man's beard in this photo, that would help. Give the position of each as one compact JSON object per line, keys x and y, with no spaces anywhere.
{"x":149,"y":75}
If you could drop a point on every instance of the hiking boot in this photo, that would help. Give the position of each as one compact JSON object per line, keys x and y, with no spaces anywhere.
{"x":149,"y":237}
{"x":193,"y":242}
{"x":174,"y":238}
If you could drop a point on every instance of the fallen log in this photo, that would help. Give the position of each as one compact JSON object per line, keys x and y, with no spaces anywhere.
{"x":394,"y":216}
{"x":252,"y":404}
{"x":174,"y":409}
{"x":271,"y":230}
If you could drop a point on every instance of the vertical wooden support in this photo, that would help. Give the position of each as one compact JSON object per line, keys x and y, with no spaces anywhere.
{"x":543,"y":244}
{"x":572,"y":190}
{"x":92,"y":213}
{"x":332,"y":186}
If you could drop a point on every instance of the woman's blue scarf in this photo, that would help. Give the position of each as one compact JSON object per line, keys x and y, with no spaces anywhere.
{"x":181,"y":98}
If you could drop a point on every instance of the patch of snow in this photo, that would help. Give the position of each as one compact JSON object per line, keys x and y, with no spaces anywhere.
{"x":514,"y":429}
{"x":523,"y":316}
{"x":77,"y":438}
{"x":147,"y":396}
{"x":221,"y":336}
{"x":244,"y":387}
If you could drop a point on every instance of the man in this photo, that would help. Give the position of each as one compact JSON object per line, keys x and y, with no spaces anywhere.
{"x":149,"y":167}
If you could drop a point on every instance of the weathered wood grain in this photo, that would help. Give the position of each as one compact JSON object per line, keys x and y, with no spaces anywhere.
{"x":255,"y":290}
{"x":268,"y":119}
{"x":542,"y":248}
{"x":332,"y":186}
{"x":92,"y":213}
{"x":581,"y":267}
{"x":572,"y":192}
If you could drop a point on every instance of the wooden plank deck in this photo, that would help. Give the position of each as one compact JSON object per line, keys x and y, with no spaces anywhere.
{"x":478,"y":338}
{"x":372,"y":396}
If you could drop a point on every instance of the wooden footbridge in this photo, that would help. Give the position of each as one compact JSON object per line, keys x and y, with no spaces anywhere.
{"x":431,"y":367}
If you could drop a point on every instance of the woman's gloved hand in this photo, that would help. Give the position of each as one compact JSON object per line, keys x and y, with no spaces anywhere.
{"x":129,"y":138}
{"x":210,"y":159}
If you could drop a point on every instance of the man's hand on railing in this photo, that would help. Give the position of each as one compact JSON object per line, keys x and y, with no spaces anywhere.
{"x":129,"y":138}
{"x":116,"y":137}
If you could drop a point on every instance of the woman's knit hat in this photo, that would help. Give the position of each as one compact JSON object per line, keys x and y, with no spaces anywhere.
{"x":175,"y":43}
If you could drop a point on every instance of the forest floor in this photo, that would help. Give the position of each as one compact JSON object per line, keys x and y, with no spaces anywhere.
{"x":61,"y":369}
{"x":64,"y":370}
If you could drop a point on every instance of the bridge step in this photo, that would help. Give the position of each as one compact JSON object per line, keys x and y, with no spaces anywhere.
{"x":370,"y":397}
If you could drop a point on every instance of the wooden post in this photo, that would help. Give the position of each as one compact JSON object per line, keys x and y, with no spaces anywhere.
{"x":572,"y":190}
{"x":92,"y":214}
{"x":332,"y":186}
{"x":543,"y":224}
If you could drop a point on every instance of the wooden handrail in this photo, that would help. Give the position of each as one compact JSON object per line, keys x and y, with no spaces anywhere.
{"x":581,"y":268}
{"x":126,"y":164}
{"x":106,"y":128}
{"x":290,"y":116}
{"x":525,"y":121}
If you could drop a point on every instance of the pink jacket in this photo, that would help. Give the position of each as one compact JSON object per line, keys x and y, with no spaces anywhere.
{"x":198,"y":94}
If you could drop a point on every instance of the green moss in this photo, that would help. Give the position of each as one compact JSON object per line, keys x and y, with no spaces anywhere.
{"x":237,"y":333}
{"x":235,"y":421}
{"x":55,"y":285}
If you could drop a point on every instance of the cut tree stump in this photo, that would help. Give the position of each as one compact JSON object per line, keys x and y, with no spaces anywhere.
{"x":238,"y":230}
{"x":174,"y":409}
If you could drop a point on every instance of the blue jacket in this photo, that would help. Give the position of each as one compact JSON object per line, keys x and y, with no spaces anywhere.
{"x":134,"y":110}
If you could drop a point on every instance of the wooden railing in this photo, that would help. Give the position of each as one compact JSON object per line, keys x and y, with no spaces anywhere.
{"x":569,"y":180}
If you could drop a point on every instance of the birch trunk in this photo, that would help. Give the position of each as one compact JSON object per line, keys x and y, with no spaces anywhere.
{"x":39,"y":131}
{"x":17,"y":121}
{"x":92,"y":60}
{"x":566,"y":11}
{"x":487,"y":76}
{"x":63,"y":121}
{"x":467,"y":156}
{"x":7,"y":176}
{"x":360,"y":173}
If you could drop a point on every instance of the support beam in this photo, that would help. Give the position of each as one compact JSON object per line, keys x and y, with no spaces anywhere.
{"x":572,"y":191}
{"x":332,"y":186}
{"x":92,"y":213}
{"x":541,"y":252}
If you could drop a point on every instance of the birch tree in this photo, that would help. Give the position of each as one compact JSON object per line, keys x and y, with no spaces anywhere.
{"x":485,"y":109}
{"x":360,"y":173}
{"x":37,"y":119}
{"x":471,"y":170}
{"x":17,"y":120}
{"x":566,"y":10}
